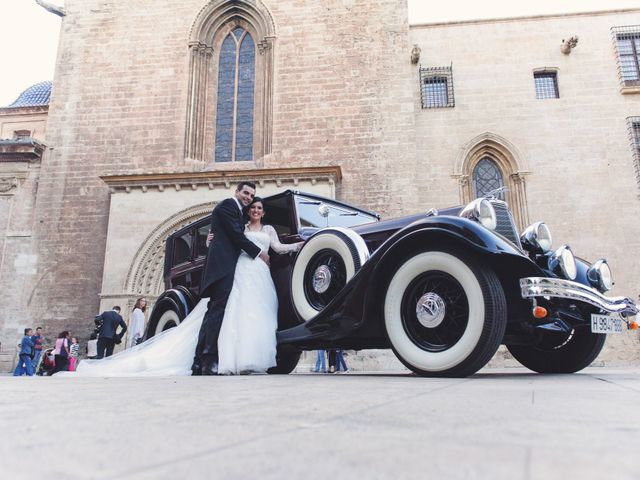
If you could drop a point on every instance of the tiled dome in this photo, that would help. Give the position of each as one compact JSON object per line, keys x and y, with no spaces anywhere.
{"x":35,"y":95}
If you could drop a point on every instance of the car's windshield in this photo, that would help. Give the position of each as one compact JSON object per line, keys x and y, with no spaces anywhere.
{"x":309,"y":214}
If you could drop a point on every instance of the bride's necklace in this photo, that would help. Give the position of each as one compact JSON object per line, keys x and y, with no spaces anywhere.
{"x":252,"y":229}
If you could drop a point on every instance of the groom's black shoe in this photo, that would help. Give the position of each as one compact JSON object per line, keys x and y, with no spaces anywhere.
{"x":209,"y":368}
{"x":196,"y":369}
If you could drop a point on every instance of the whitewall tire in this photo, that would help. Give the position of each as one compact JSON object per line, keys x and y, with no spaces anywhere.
{"x":327,"y":261}
{"x":443,"y":314}
{"x":167,"y":320}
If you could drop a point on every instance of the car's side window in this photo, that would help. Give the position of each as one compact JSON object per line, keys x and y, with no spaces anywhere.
{"x":201,"y":241}
{"x":182,"y":249}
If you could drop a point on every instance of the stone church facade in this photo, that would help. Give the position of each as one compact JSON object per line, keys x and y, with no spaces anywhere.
{"x":158,"y":108}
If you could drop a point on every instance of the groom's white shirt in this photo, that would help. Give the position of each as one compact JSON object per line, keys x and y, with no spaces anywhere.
{"x":238,"y":203}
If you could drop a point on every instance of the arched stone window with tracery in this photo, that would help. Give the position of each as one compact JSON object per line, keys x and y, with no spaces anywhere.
{"x":234,"y":112}
{"x":487,"y":178}
{"x":490,"y":162}
{"x":230,"y":95}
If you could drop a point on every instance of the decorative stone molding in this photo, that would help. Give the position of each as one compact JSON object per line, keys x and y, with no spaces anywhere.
{"x":7,"y":184}
{"x":510,"y":162}
{"x":212,"y":179}
{"x":212,"y":24}
{"x":145,"y":276}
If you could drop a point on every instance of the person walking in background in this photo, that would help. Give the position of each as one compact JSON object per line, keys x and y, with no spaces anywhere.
{"x":136,"y":323}
{"x":38,"y":338}
{"x":74,"y":348}
{"x":331,"y":355}
{"x":108,"y":336}
{"x":24,"y":356}
{"x":320,"y":362}
{"x":61,"y":352}
{"x":340,"y":363}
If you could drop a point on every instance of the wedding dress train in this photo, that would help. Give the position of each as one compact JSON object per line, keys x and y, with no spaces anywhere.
{"x":247,"y":341}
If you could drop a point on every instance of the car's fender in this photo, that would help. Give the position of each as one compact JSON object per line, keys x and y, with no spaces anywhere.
{"x":177,"y":299}
{"x":447,"y":233}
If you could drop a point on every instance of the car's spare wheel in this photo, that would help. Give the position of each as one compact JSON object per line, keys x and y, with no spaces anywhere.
{"x":323,"y":267}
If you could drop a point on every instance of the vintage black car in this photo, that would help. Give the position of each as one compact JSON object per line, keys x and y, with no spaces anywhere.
{"x":443,"y":289}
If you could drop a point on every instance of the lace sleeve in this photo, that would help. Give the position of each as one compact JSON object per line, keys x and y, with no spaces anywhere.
{"x":281,"y":247}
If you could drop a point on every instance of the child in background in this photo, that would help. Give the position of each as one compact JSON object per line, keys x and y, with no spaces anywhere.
{"x":92,"y":346}
{"x":73,"y":354}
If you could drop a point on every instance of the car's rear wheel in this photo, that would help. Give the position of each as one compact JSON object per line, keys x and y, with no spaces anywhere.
{"x":444,"y":314}
{"x":323,"y":267}
{"x":286,"y":362}
{"x":169,"y":311}
{"x":560,"y":354}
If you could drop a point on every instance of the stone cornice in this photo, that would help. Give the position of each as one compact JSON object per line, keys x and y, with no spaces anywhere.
{"x":454,"y":23}
{"x":24,"y":110}
{"x":226,"y":178}
{"x":20,"y":150}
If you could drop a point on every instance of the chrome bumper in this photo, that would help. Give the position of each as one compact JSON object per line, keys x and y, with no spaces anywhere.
{"x":532,"y":287}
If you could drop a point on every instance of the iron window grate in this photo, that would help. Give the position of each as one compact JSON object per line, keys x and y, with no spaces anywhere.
{"x":633,"y":124}
{"x":436,"y":87}
{"x":626,"y":42}
{"x":546,"y":85}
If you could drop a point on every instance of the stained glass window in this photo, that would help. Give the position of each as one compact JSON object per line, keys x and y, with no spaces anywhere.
{"x":236,"y":85}
{"x":486,"y":178}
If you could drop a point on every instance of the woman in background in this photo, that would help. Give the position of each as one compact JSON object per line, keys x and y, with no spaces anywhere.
{"x":61,"y":352}
{"x":136,"y":323}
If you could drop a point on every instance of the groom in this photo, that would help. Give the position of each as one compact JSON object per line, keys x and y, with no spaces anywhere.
{"x":227,"y":226}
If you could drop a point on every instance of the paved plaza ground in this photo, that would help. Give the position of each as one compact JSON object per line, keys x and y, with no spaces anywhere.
{"x":498,"y":424}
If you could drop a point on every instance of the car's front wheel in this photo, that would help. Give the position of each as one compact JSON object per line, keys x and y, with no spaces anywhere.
{"x":444,"y":314}
{"x":556,"y":354}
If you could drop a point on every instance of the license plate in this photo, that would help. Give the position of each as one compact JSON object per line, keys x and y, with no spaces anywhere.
{"x":606,"y":323}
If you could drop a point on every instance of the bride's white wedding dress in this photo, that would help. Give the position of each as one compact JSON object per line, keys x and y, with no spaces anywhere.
{"x":247,"y":340}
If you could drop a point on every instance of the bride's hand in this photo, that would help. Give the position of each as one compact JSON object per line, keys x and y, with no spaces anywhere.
{"x":264,"y":256}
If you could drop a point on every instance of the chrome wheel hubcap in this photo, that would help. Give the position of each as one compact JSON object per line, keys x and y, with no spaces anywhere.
{"x":430,"y":310}
{"x":322,"y":279}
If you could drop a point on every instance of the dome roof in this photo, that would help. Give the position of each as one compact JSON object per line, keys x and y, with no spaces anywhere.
{"x":35,"y":95}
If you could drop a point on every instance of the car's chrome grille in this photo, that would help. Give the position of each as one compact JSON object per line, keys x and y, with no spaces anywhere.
{"x":506,"y":226}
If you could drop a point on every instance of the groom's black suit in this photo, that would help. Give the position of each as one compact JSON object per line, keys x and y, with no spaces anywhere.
{"x":227,"y":225}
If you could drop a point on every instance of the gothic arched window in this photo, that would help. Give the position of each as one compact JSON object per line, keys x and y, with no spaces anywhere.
{"x":236,"y":85}
{"x":230,"y":90}
{"x":487,"y":177}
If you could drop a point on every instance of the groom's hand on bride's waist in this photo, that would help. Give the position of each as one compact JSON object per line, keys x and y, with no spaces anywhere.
{"x":264,"y":256}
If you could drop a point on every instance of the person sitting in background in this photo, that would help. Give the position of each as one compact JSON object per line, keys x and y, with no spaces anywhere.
{"x":26,"y":350}
{"x":92,"y":346}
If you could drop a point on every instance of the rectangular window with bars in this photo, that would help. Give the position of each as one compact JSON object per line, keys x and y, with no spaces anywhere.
{"x":546,"y":85}
{"x":634,"y":138}
{"x":436,"y":87}
{"x":627,"y":43}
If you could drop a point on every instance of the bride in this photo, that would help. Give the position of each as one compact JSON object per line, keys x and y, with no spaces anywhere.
{"x":247,"y":341}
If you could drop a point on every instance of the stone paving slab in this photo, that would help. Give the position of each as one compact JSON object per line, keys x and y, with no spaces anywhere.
{"x":498,"y":424}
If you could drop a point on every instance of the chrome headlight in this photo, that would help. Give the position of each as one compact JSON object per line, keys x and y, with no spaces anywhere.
{"x":482,"y":211}
{"x":599,"y":274}
{"x":562,"y":259}
{"x":536,"y":237}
